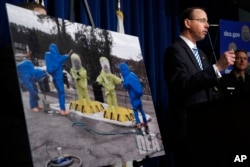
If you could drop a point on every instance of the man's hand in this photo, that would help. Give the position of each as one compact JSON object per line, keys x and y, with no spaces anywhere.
{"x":227,"y":59}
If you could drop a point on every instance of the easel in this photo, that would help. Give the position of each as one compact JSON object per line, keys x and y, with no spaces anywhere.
{"x":85,"y":3}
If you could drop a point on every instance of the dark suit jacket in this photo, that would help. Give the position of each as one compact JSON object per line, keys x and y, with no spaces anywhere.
{"x":187,"y":85}
{"x":230,"y":85}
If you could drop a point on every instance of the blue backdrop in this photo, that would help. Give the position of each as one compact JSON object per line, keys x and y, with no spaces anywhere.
{"x":234,"y":35}
{"x":155,"y":22}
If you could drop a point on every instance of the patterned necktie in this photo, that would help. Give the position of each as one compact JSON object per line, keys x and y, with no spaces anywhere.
{"x":196,"y":54}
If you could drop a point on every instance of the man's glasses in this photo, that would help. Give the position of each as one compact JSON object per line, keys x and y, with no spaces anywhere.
{"x":203,"y":20}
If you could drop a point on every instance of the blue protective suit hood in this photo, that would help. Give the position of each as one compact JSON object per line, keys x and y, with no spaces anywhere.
{"x":131,"y":82}
{"x":124,"y":69}
{"x":53,"y":49}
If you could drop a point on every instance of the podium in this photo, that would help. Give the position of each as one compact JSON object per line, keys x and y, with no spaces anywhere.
{"x":218,"y":131}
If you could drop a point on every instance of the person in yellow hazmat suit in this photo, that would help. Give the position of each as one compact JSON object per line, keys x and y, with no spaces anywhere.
{"x":79,"y":74}
{"x":108,"y":81}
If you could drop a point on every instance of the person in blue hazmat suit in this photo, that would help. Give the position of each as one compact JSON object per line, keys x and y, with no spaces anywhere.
{"x":54,"y":65}
{"x":108,"y":81}
{"x":132,"y":84}
{"x":28,"y":77}
{"x":79,"y":74}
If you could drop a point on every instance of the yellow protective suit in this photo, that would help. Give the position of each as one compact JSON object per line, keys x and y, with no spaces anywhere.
{"x":79,"y":74}
{"x":108,"y":81}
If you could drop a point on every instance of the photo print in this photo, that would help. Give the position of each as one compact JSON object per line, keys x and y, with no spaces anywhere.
{"x":85,"y":92}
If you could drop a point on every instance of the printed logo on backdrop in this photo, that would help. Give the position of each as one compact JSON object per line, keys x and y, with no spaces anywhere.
{"x":234,"y":35}
{"x":245,"y":33}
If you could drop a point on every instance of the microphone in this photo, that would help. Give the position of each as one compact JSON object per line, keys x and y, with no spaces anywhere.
{"x":213,"y":25}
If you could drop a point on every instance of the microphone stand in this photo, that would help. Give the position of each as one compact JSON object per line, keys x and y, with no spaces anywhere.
{"x":210,"y":42}
{"x":215,"y":89}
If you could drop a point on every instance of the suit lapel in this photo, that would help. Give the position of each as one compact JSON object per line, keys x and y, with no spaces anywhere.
{"x":190,"y":54}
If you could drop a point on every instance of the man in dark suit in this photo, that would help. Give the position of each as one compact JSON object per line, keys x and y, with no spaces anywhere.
{"x":189,"y":79}
{"x":237,"y":82}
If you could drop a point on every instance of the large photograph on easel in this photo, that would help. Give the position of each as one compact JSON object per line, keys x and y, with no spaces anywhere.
{"x":85,"y":92}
